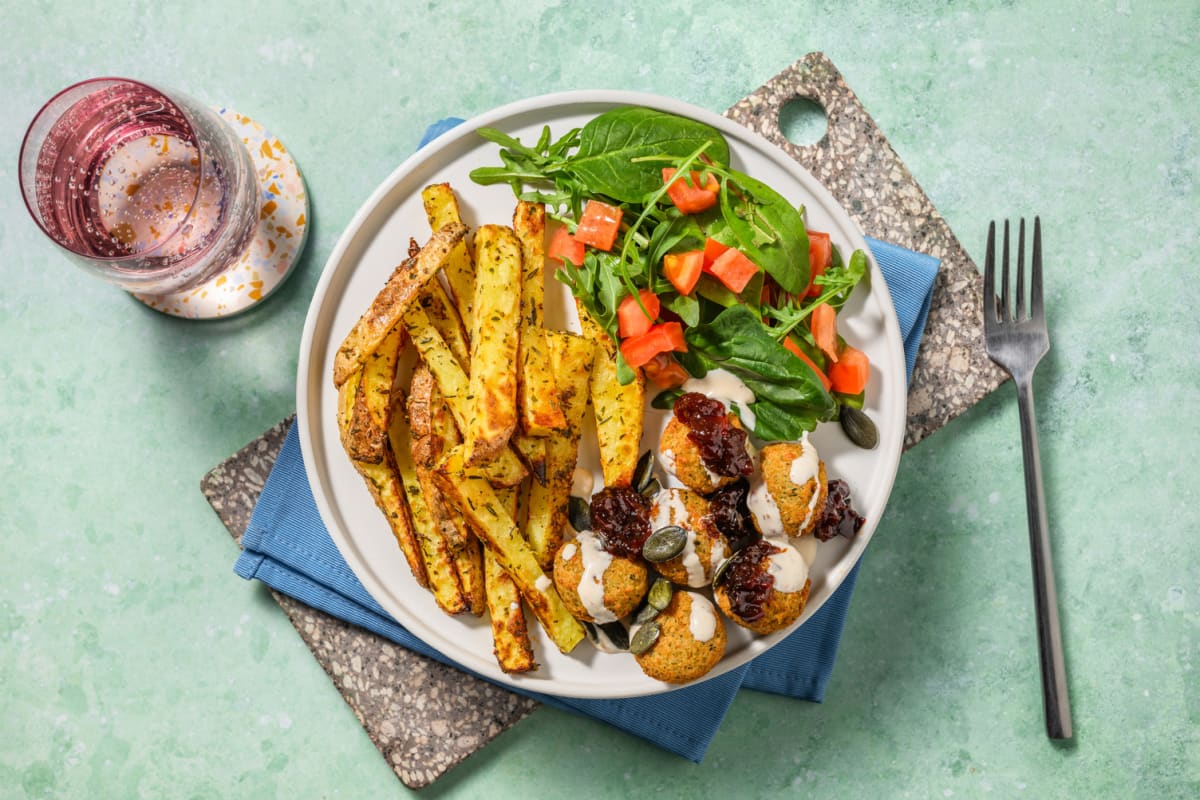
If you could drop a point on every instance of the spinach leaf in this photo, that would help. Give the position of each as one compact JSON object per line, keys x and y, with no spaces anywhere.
{"x":789,"y":398}
{"x":768,"y":229}
{"x":774,"y":424}
{"x":694,"y":362}
{"x":610,"y":144}
{"x":712,"y":289}
{"x":686,"y":306}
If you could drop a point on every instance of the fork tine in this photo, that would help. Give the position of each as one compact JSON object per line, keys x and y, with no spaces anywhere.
{"x":1019,"y":310}
{"x":1035,"y":277}
{"x":1004,"y":308}
{"x":989,"y":276}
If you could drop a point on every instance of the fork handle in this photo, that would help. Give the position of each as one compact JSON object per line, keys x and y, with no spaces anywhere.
{"x":1056,"y":703}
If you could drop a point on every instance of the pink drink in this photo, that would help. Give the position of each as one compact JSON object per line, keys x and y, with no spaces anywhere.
{"x":154,"y":193}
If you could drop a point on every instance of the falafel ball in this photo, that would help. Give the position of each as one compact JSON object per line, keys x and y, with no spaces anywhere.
{"x":765,"y":587}
{"x":680,"y":456}
{"x":690,"y":642}
{"x":596,"y":585}
{"x":706,"y":546}
{"x":787,"y":496}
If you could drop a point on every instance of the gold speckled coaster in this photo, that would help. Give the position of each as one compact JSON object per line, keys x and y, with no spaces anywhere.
{"x":275,"y":247}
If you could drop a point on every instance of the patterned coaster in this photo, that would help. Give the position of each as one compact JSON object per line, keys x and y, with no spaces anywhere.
{"x":425,"y":717}
{"x":277,"y":243}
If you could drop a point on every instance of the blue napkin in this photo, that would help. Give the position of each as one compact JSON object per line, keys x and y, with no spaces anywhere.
{"x":287,"y":547}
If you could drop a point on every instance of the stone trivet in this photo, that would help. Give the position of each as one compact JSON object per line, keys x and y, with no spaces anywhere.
{"x":855,"y":162}
{"x":423,"y":716}
{"x":426,"y":717}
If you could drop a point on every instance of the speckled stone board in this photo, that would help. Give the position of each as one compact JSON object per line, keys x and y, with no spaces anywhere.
{"x":425,"y":717}
{"x":855,"y":162}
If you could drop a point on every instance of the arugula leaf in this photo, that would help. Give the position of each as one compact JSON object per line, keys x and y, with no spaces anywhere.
{"x":836,"y":285}
{"x":787,"y":392}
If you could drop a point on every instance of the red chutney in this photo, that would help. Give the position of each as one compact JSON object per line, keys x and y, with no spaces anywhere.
{"x":838,"y":518}
{"x":722,"y":446}
{"x":621,"y":518}
{"x":748,"y":582}
{"x":730,"y":513}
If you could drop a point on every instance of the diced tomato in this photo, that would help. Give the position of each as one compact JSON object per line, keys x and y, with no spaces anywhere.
{"x":565,"y":247}
{"x":599,"y":225}
{"x":661,"y":338}
{"x":849,"y":375}
{"x":665,"y":371}
{"x":824,"y":330}
{"x":683,"y":269}
{"x":712,"y":251}
{"x":631,"y":319}
{"x":701,"y":195}
{"x":733,"y":269}
{"x":791,"y":345}
{"x":820,"y":256}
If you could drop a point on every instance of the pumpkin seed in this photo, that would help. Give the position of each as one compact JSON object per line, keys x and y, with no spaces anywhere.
{"x":647,"y":613}
{"x":665,"y":400}
{"x":652,"y":488}
{"x":859,"y":428}
{"x":644,"y":638}
{"x":617,"y":634}
{"x":660,"y":594}
{"x":719,"y":572}
{"x":579,"y":512}
{"x":643,"y":473}
{"x":664,"y":544}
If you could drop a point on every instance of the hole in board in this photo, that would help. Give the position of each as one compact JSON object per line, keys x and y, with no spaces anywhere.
{"x":803,"y":121}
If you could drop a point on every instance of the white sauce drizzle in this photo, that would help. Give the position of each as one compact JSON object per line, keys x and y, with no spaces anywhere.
{"x":807,"y":467}
{"x":591,"y":583}
{"x":668,"y":508}
{"x":542,"y":583}
{"x":702,"y":622}
{"x":764,"y":508}
{"x":789,"y":568}
{"x":718,"y":552}
{"x":723,"y":385}
{"x":568,"y":552}
{"x":691,"y":562}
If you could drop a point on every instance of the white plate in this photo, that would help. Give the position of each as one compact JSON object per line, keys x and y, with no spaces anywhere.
{"x":377,"y":239}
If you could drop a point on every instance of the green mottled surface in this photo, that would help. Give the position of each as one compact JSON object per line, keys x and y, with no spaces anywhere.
{"x":133,"y":663}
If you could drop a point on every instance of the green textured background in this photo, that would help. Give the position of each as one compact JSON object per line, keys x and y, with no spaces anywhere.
{"x":133,"y":663}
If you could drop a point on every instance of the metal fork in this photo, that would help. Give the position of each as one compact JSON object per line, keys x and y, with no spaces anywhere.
{"x":1017,"y":342}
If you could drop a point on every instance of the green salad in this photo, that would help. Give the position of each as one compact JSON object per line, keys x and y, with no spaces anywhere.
{"x":691,"y":265}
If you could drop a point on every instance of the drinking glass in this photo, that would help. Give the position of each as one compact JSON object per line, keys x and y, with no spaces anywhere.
{"x":142,"y":186}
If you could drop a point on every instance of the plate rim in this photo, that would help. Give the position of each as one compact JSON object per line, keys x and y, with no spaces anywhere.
{"x":890,"y":446}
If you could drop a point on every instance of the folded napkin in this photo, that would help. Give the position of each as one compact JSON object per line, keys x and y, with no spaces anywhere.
{"x":287,"y":547}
